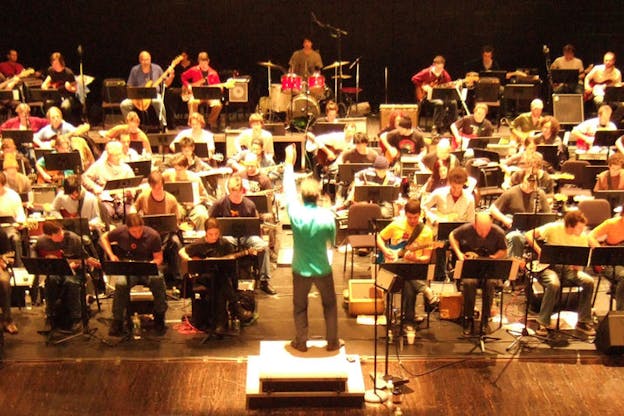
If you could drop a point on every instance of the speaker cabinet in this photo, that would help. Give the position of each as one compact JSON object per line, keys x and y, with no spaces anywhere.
{"x":362,"y":297}
{"x":240,"y":92}
{"x":610,"y":334}
{"x":568,"y":108}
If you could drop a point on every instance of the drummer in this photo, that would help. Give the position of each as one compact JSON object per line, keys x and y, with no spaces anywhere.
{"x":305,"y":62}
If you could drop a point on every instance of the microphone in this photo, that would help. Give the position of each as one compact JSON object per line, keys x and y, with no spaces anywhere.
{"x":354,"y":63}
{"x":79,"y":50}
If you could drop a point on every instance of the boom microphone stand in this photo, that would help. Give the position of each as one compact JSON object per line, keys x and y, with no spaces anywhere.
{"x":337,"y":33}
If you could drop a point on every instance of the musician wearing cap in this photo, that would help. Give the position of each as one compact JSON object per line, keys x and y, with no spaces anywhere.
{"x":611,"y":233}
{"x":306,"y":61}
{"x":570,"y":232}
{"x":201,"y":74}
{"x":472,"y":240}
{"x":425,"y":81}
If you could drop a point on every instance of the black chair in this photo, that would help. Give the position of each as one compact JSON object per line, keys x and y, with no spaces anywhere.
{"x":113,"y":93}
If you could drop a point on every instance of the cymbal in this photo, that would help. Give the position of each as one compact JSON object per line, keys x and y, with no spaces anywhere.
{"x":343,"y":76}
{"x":336,"y":64}
{"x":269,"y":64}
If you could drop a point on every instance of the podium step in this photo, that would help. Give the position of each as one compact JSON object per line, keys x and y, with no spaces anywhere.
{"x":284,"y":377}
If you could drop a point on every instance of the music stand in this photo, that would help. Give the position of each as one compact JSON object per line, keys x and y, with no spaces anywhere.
{"x":445,"y":94}
{"x":323,"y":127}
{"x":39,"y":94}
{"x":261,"y":201}
{"x":123,"y":184}
{"x":446,"y":227}
{"x":161,"y":140}
{"x":200,"y":150}
{"x":478,"y":143}
{"x":141,"y":93}
{"x":590,"y":173}
{"x":7,"y":95}
{"x":182,"y":191}
{"x":376,"y":193}
{"x":488,"y":154}
{"x":564,"y":76}
{"x":615,"y":197}
{"x":421,"y":178}
{"x":137,"y":146}
{"x":20,"y":137}
{"x":63,"y":161}
{"x":239,"y":227}
{"x":7,"y":219}
{"x":485,"y":269}
{"x":217,"y":267}
{"x":207,"y":92}
{"x":614,"y":94}
{"x":525,"y":221}
{"x":607,"y":138}
{"x":606,"y":256}
{"x":550,"y":153}
{"x":518,"y":92}
{"x":347,"y":171}
{"x":501,"y":75}
{"x":141,"y":167}
{"x":163,"y":223}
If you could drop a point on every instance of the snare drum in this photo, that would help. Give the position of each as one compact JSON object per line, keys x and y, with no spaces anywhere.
{"x":291,"y":83}
{"x":303,"y":106}
{"x":316,"y":85}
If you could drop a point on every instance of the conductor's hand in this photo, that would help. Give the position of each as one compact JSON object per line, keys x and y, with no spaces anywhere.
{"x":291,"y":155}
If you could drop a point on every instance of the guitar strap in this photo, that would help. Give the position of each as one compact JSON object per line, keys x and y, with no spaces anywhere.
{"x":417,"y":230}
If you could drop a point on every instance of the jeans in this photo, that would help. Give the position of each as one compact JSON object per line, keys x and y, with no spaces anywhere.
{"x":65,"y":289}
{"x":5,"y":297}
{"x":515,"y":243}
{"x":301,"y":288}
{"x":469,"y":289}
{"x":411,"y":289}
{"x":123,"y":284}
{"x":257,"y":243}
{"x":551,"y":279}
{"x":126,"y":106}
{"x":617,"y":280}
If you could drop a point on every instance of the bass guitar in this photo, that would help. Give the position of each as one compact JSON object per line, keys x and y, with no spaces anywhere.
{"x":144,"y":104}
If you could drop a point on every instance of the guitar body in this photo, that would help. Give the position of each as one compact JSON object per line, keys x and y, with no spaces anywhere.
{"x":143,"y":105}
{"x":597,"y":89}
{"x":321,"y":156}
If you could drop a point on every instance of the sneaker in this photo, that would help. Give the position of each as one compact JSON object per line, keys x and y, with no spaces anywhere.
{"x":116,"y":329}
{"x":300,"y":347}
{"x":334,"y":346}
{"x":243,"y":314}
{"x":586,"y":328}
{"x":266,"y":287}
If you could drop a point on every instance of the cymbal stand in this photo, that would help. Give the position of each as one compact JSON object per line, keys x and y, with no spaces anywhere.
{"x":338,"y":33}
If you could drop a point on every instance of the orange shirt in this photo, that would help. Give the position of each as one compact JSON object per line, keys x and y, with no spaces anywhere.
{"x":613,"y":229}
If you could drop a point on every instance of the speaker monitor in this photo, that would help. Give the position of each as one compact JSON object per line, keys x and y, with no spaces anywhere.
{"x":610,"y":334}
{"x":240,"y":92}
{"x":568,"y":108}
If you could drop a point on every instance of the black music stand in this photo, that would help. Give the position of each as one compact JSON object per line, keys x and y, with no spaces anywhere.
{"x":322,"y":127}
{"x":123,"y":184}
{"x":218,"y":267}
{"x":615,"y":197}
{"x":161,"y":140}
{"x":163,"y":223}
{"x":550,"y":153}
{"x":590,"y":174}
{"x":525,"y":221}
{"x":261,"y":201}
{"x":446,"y":227}
{"x":478,"y":143}
{"x":39,"y":94}
{"x":141,"y":167}
{"x":61,"y":267}
{"x":564,"y":256}
{"x":201,"y":150}
{"x":347,"y":171}
{"x":142,"y":93}
{"x":488,"y":154}
{"x":484,"y":269}
{"x":63,"y":161}
{"x":564,"y":76}
{"x":520,"y":92}
{"x":607,"y":138}
{"x":207,"y":92}
{"x":501,"y":75}
{"x":445,"y":94}
{"x":137,"y":146}
{"x":606,"y":256}
{"x":614,"y":94}
{"x":7,"y":95}
{"x":239,"y":227}
{"x":20,"y":137}
{"x":376,"y":193}
{"x":182,"y":191}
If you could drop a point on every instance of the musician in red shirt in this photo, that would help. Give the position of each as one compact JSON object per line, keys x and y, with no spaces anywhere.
{"x":201,"y":74}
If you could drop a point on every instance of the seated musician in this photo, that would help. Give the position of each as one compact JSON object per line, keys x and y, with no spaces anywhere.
{"x":107,"y":168}
{"x":600,"y":77}
{"x":235,"y":204}
{"x":474,"y":125}
{"x":147,"y":74}
{"x":195,"y":163}
{"x":526,"y":124}
{"x":331,"y":113}
{"x":521,"y":160}
{"x":195,"y":211}
{"x":550,"y":136}
{"x":202,"y":74}
{"x":59,"y":127}
{"x":254,"y":179}
{"x":73,"y":201}
{"x":472,"y":240}
{"x":535,"y":163}
{"x":255,"y":130}
{"x":611,"y":232}
{"x":361,"y":153}
{"x":5,"y":286}
{"x":16,"y":180}
{"x":58,"y":243}
{"x":135,"y":242}
{"x":157,"y":201}
{"x":569,"y":61}
{"x":11,"y":206}
{"x":404,"y":140}
{"x":215,"y":246}
{"x":425,"y":81}
{"x":265,"y":161}
{"x":585,"y":132}
{"x":442,"y":156}
{"x":524,"y":197}
{"x":612,"y":178}
{"x":196,"y":132}
{"x":306,"y":61}
{"x":61,"y":145}
{"x":570,"y":232}
{"x":61,"y":78}
{"x":132,"y":130}
{"x":452,"y":202}
{"x":407,"y":238}
{"x":23,"y":120}
{"x":9,"y":149}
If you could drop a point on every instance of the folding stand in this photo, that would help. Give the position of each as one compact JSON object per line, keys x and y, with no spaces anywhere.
{"x":63,"y":161}
{"x":607,"y":138}
{"x":484,"y":269}
{"x":606,"y":256}
{"x":60,"y":267}
{"x":162,"y":141}
{"x":376,"y":193}
{"x":123,"y":184}
{"x":518,"y":92}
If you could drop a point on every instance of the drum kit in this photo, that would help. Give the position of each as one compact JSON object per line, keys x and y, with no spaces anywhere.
{"x":298,"y":97}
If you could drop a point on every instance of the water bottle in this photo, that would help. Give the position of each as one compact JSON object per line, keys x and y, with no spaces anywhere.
{"x":136,"y":326}
{"x":398,"y":412}
{"x":236,"y":325}
{"x":27,"y":300}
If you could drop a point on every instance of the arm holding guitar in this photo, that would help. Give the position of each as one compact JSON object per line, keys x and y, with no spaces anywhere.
{"x":497,"y":215}
{"x":389,"y":255}
{"x":390,"y":150}
{"x":455,"y":246}
{"x":106,"y":245}
{"x":577,"y":134}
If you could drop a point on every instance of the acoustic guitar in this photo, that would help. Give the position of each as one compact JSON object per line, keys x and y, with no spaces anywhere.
{"x":12,"y":82}
{"x":144,"y":104}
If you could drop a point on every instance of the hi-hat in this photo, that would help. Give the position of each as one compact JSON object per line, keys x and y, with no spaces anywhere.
{"x":269,"y":64}
{"x":343,"y":76}
{"x":336,"y":64}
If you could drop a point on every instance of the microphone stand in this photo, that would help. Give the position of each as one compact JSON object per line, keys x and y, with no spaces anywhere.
{"x":338,"y":33}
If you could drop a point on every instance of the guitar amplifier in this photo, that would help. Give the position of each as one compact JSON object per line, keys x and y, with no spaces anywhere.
{"x":240,"y":92}
{"x":362,"y":297}
{"x":411,"y":110}
{"x":568,"y":108}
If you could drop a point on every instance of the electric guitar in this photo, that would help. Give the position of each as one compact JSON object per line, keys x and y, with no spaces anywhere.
{"x":187,"y":90}
{"x":74,"y":263}
{"x":143,"y":105}
{"x":400,"y":249}
{"x":12,"y":82}
{"x":596,"y":89}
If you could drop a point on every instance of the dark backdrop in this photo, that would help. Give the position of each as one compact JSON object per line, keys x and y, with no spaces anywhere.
{"x":400,"y":35}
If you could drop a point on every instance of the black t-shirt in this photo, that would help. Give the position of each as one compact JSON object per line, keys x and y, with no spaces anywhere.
{"x":130,"y":248}
{"x":202,"y":249}
{"x":226,"y":208}
{"x":70,"y":247}
{"x":353,"y":156}
{"x":58,"y":79}
{"x":468,"y":126}
{"x":412,"y":144}
{"x":5,"y":243}
{"x":469,"y":240}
